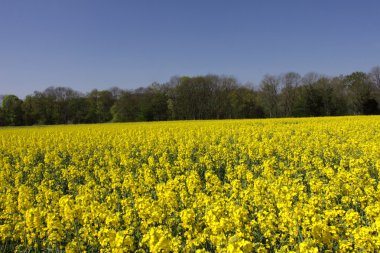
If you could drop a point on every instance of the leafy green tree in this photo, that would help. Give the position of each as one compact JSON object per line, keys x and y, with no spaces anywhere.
{"x":39,"y":109}
{"x":360,"y":91}
{"x":62,"y":97}
{"x":314,"y":104}
{"x":12,"y":110}
{"x":2,"y":120}
{"x":126,"y":108}
{"x":28,"y":107}
{"x":100,"y":103}
{"x":153,"y":103}
{"x":79,"y":108}
{"x":223,"y":102}
{"x":245,"y":104}
{"x":194,"y":97}
{"x":371,"y":107}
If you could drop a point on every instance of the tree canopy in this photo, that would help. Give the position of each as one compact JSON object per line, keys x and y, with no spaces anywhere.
{"x":201,"y":97}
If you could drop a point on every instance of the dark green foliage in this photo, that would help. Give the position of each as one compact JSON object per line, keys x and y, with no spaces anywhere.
{"x":360,"y":91}
{"x":99,"y":106}
{"x":2,"y":121}
{"x":371,"y":107}
{"x":12,"y":114}
{"x":126,"y":108}
{"x":201,"y":97}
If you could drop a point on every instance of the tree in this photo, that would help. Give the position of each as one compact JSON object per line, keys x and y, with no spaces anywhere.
{"x":55,"y":105}
{"x":360,"y":91}
{"x":374,"y":76}
{"x":310,"y":78}
{"x":116,"y":92}
{"x":39,"y":109}
{"x":223,"y":101}
{"x":269,"y":89}
{"x":126,"y":108}
{"x":100,"y":103}
{"x":12,"y":111}
{"x":153,"y":103}
{"x":335,"y":96}
{"x":290,"y":81}
{"x":250,"y":108}
{"x":2,"y":120}
{"x":314,"y":105}
{"x":322,"y":97}
{"x":80,"y":108}
{"x":30,"y":116}
{"x":58,"y":98}
{"x":371,"y":107}
{"x":193,"y":97}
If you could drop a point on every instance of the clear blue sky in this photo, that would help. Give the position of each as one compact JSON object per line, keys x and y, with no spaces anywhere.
{"x":86,"y":44}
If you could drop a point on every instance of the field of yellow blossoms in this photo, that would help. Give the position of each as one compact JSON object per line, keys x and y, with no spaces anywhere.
{"x":280,"y":185}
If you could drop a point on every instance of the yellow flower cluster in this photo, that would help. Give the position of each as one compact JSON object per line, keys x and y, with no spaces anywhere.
{"x":274,"y":185}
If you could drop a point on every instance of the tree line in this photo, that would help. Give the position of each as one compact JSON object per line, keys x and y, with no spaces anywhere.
{"x":201,"y":97}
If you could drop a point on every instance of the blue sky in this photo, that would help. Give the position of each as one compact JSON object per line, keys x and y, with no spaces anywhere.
{"x":87,"y":44}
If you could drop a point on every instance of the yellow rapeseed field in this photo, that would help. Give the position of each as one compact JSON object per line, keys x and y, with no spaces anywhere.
{"x":281,"y":185}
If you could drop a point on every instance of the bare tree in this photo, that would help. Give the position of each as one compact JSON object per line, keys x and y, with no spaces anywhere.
{"x":310,"y":78}
{"x":269,"y":89}
{"x":290,"y":82}
{"x":374,"y":75}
